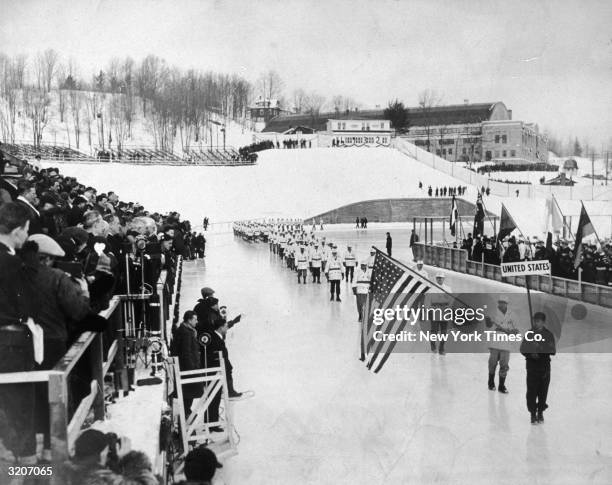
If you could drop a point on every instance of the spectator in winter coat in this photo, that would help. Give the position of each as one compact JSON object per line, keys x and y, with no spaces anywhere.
{"x":63,"y":300}
{"x":18,"y":303}
{"x":28,"y":199}
{"x":186,"y":347}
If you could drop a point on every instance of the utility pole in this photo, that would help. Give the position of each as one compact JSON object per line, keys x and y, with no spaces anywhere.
{"x":607,"y":154}
{"x":592,"y":168}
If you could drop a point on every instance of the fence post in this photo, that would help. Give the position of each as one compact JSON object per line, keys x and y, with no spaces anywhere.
{"x":97,"y":367}
{"x":58,"y":417}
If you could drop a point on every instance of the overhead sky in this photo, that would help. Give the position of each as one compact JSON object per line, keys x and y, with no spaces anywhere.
{"x":550,"y":61}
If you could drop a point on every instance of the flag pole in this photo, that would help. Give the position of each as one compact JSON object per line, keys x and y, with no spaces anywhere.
{"x":364,"y":318}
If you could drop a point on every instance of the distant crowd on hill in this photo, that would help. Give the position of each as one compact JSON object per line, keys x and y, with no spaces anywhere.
{"x":445,"y":191}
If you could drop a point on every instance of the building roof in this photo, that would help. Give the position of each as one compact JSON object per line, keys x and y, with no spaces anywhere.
{"x":437,"y":115}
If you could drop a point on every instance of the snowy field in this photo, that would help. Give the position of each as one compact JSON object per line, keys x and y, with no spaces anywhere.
{"x":284,"y":183}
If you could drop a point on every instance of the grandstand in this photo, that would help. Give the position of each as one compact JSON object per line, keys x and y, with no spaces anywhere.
{"x":142,"y":155}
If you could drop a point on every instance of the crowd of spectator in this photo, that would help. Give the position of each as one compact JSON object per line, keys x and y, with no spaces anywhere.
{"x":65,"y":249}
{"x":595,"y":264}
{"x":518,"y":167}
{"x":108,"y":459}
{"x":444,"y":191}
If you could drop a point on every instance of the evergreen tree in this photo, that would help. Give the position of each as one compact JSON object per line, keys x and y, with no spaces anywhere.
{"x":397,"y":113}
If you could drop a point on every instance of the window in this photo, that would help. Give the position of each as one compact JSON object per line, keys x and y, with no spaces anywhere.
{"x":496,"y":153}
{"x":450,"y":151}
{"x":438,"y":152}
{"x":464,"y":151}
{"x":513,"y":153}
{"x":504,"y":154}
{"x":488,"y":155}
{"x":496,"y":138}
{"x":444,"y":151}
{"x":504,"y":139}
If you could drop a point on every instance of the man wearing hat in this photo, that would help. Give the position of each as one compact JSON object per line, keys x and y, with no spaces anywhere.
{"x":203,"y":310}
{"x":499,"y":350}
{"x":316,"y":260}
{"x":301,"y":262}
{"x":201,"y":464}
{"x":349,"y":263}
{"x":64,"y":299}
{"x":420,"y":270}
{"x":371,"y":258}
{"x":186,"y":347}
{"x":334,"y":273}
{"x":537,"y":351}
{"x":439,"y":298}
{"x":361,"y":287}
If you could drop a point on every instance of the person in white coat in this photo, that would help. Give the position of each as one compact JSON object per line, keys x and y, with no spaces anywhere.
{"x":503,"y":322}
{"x":334,"y":273}
{"x":371,"y":258}
{"x":316,"y":259}
{"x":420,"y":269}
{"x":350,"y":262}
{"x":361,"y":288}
{"x":301,"y":263}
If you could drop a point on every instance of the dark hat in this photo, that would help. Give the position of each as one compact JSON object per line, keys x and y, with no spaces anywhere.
{"x":539,"y":316}
{"x":201,"y":464}
{"x":90,"y":443}
{"x":78,"y":234}
{"x":206,"y":291}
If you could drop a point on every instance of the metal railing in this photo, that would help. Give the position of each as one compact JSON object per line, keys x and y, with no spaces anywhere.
{"x":457,"y":260}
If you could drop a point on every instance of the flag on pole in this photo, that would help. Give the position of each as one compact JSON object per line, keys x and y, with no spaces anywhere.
{"x":392,"y":284}
{"x":506,"y":224}
{"x":554,"y":218}
{"x":479,"y":217}
{"x":452,"y":223}
{"x":585,"y":229}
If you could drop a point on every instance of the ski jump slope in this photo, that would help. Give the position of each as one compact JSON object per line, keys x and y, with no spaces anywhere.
{"x":284,"y":183}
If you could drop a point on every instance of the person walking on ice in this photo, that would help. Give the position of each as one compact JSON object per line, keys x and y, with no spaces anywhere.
{"x":499,"y":350}
{"x":334,"y":274}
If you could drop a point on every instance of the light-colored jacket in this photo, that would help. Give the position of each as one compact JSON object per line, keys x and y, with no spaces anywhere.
{"x":362,"y":282}
{"x":350,"y":259}
{"x":334,"y":268}
{"x":504,"y":325}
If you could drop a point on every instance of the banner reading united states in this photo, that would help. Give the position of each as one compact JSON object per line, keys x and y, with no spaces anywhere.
{"x":392,"y":284}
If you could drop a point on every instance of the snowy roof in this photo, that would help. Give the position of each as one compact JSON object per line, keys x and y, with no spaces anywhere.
{"x":437,"y":115}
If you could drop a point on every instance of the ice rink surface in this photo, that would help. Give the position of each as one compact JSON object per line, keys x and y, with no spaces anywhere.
{"x":320,"y":417}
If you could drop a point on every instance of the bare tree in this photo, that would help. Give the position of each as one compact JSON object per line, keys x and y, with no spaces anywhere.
{"x":428,"y":99}
{"x":76,"y":102}
{"x":61,"y":75}
{"x":45,"y":67}
{"x":36,"y":103}
{"x":12,"y":73}
{"x":313,"y":104}
{"x":271,"y":85}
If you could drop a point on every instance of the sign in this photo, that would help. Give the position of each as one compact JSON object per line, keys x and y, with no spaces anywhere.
{"x":525,"y":268}
{"x":359,"y":139}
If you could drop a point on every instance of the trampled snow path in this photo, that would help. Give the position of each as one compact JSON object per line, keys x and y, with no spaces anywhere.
{"x":319,"y":417}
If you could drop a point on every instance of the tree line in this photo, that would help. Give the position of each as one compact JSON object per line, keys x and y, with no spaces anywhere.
{"x":178,"y":103}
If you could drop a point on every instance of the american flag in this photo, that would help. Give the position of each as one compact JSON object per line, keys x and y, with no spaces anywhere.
{"x":392,"y":285}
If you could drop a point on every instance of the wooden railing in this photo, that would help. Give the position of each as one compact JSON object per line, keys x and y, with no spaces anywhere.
{"x":90,"y":359}
{"x":457,"y":260}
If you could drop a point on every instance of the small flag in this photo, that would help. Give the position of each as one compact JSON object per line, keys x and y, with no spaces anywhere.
{"x":453,"y":217}
{"x":479,"y":217}
{"x":392,"y":284}
{"x":585,"y":229}
{"x":554,"y":218}
{"x":506,"y":224}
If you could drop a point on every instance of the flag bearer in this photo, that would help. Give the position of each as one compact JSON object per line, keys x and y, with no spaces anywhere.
{"x":361,"y":287}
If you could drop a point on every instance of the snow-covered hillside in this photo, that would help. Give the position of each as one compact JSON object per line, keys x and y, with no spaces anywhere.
{"x":292,"y":183}
{"x":61,"y":132}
